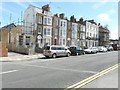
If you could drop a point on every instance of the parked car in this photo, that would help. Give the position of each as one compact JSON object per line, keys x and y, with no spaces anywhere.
{"x":109,"y":48}
{"x":91,"y":50}
{"x":76,"y":50}
{"x":102,"y":49}
{"x":54,"y":51}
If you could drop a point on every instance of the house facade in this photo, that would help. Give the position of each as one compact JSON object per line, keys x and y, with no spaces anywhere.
{"x":103,"y":36}
{"x":47,"y":25}
{"x":9,"y":36}
{"x":62,"y":30}
{"x":55,"y":30}
{"x":73,"y":31}
{"x":92,"y":33}
{"x":38,"y":22}
{"x":81,"y":33}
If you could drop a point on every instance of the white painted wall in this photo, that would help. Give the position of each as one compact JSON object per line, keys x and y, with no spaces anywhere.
{"x":63,"y":31}
{"x":74,"y":34}
{"x":30,"y":19}
{"x":94,"y":30}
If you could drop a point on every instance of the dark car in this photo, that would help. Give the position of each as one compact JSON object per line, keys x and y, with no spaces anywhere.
{"x":77,"y":51}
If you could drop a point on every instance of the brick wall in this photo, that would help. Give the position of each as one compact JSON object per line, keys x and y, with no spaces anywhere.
{"x":3,"y":50}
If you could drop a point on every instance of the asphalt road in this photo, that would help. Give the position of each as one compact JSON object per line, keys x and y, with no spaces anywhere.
{"x":55,"y":73}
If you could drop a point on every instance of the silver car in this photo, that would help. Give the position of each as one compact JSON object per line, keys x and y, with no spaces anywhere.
{"x":54,"y":51}
{"x":91,"y":50}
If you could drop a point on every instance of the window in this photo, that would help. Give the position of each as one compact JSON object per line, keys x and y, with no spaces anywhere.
{"x":87,"y":34}
{"x":96,"y":35}
{"x":39,"y":29}
{"x":48,"y":32}
{"x":63,"y":41}
{"x":64,"y":33}
{"x":47,"y":48}
{"x":20,"y":40}
{"x":40,"y":20}
{"x":49,"y":20}
{"x":58,"y":48}
{"x":81,"y":36}
{"x":45,"y":20}
{"x":60,"y":32}
{"x":64,"y":24}
{"x":62,"y":48}
{"x":61,"y":23}
{"x":53,"y":48}
{"x":44,"y":40}
{"x":60,"y":41}
{"x":44,"y":31}
{"x":90,"y":34}
{"x":27,"y":40}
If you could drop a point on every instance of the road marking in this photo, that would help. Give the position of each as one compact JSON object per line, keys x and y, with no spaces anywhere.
{"x":61,"y":69}
{"x":8,"y":72}
{"x":91,"y":78}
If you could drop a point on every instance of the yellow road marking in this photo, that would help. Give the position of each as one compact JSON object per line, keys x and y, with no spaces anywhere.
{"x":91,"y":78}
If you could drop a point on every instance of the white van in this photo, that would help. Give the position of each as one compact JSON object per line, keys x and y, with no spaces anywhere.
{"x":55,"y":50}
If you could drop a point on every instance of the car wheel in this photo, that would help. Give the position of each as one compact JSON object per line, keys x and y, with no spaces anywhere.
{"x":54,"y":56}
{"x":47,"y":56}
{"x":68,"y":54}
{"x":83,"y":53}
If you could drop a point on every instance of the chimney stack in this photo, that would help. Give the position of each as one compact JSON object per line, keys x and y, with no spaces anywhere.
{"x":46,"y":7}
{"x":62,"y":15}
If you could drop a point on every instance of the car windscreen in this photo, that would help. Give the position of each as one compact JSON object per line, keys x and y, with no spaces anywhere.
{"x":72,"y":48}
{"x":47,"y":48}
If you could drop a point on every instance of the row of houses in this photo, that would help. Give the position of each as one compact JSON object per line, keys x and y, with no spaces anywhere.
{"x":58,"y":30}
{"x":41,"y":27}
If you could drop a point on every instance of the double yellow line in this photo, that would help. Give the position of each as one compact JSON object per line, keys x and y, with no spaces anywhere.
{"x":91,"y":78}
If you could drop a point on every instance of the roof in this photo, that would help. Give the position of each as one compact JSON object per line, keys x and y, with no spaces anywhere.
{"x":12,"y":25}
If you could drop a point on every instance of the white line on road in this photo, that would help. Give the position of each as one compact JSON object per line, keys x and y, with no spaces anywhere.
{"x":61,"y":69}
{"x":8,"y":71}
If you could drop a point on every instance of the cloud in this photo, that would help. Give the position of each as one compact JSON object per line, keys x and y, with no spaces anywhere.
{"x":104,"y":18}
{"x":114,"y":34}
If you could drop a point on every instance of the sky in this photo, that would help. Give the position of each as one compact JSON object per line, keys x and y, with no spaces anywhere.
{"x":104,"y":12}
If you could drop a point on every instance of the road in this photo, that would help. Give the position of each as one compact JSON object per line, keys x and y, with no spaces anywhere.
{"x":56,"y":73}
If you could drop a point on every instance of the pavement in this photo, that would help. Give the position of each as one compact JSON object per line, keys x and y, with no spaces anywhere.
{"x":20,"y":57}
{"x":109,"y":80}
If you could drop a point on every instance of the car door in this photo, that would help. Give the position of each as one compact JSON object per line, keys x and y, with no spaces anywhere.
{"x":58,"y":51}
{"x":63,"y":51}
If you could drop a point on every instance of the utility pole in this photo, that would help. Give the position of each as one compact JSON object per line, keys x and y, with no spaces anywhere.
{"x":10,"y":27}
{"x":21,"y":18}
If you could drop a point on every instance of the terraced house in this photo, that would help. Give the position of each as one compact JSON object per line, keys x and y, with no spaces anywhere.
{"x":62,"y":30}
{"x":92,"y":33}
{"x":81,"y":33}
{"x":41,"y":28}
{"x":74,"y":31}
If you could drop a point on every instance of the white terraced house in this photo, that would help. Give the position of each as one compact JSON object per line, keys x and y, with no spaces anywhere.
{"x":62,"y":31}
{"x":38,"y":22}
{"x":92,"y":33}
